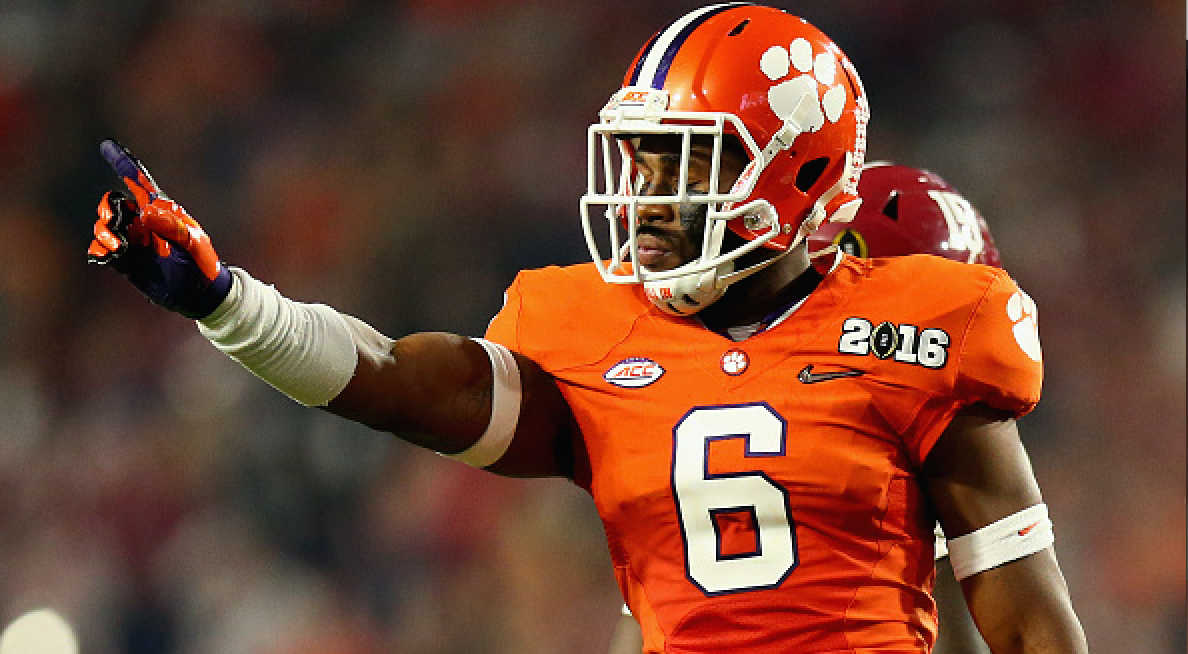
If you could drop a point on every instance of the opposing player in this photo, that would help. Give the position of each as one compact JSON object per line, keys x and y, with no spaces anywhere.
{"x":909,"y":210}
{"x":766,"y":440}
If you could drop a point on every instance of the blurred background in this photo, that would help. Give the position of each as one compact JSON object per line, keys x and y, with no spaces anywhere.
{"x":401,"y":160}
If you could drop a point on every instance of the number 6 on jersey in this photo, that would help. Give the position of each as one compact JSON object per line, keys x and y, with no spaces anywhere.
{"x":702,"y":496}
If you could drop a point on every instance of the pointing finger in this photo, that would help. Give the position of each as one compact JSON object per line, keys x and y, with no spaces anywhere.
{"x":135,"y":176}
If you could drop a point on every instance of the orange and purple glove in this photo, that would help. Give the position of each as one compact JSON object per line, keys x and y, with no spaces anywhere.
{"x":153,"y":242}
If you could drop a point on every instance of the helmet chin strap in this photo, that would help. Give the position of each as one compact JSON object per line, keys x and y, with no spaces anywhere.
{"x":688,"y":294}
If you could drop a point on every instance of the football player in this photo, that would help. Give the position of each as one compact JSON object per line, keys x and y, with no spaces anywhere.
{"x":767,"y":439}
{"x":904,"y":211}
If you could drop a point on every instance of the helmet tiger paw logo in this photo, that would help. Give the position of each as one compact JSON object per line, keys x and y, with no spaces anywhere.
{"x":1021,"y":311}
{"x":800,"y":99}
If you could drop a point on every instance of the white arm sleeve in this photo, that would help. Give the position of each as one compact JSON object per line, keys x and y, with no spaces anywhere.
{"x":306,"y":351}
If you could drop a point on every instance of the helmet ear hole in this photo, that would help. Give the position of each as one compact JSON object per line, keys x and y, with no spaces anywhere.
{"x":891,"y":209}
{"x":810,"y":172}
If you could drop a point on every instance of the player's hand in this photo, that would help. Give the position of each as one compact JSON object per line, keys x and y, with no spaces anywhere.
{"x":153,"y":242}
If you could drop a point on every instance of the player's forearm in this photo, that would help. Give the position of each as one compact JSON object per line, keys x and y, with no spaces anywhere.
{"x":1024,"y":607}
{"x":306,"y":351}
{"x":1045,"y":632}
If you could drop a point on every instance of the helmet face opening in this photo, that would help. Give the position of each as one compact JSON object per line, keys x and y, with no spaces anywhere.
{"x":614,"y":184}
{"x":753,"y":77}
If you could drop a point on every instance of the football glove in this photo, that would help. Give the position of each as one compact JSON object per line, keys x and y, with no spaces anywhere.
{"x":152,"y":241}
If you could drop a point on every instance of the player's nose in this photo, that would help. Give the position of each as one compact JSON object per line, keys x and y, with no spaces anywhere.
{"x":656,"y":212}
{"x":653,"y":213}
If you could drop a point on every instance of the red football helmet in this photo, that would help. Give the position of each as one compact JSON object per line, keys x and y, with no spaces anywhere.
{"x":777,"y":84}
{"x":910,"y":211}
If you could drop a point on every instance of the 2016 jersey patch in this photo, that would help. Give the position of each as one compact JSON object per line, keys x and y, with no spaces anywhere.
{"x":928,"y":347}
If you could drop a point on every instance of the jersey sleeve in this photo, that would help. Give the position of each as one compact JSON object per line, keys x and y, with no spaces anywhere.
{"x":998,"y":361}
{"x":561,"y":317}
{"x":504,"y":328}
{"x":1001,"y":362}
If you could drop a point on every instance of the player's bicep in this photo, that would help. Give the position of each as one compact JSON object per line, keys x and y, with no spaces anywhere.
{"x":432,"y":389}
{"x":546,"y":434}
{"x":978,"y":471}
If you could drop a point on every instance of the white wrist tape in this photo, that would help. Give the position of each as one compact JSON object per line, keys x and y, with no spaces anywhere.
{"x":1003,"y":541}
{"x":306,"y":351}
{"x":506,"y":394}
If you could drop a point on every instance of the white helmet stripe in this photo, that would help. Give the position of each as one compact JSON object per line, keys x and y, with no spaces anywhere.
{"x":653,"y":65}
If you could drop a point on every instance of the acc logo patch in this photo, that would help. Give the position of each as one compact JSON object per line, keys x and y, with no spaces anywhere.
{"x":634,"y":372}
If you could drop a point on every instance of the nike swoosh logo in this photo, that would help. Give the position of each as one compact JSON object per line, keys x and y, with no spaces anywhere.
{"x":807,"y":376}
{"x":1026,"y":530}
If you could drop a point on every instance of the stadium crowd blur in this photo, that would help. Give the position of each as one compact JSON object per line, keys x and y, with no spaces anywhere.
{"x":401,"y":160}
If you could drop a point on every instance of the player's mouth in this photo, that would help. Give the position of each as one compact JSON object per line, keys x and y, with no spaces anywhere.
{"x":655,"y":253}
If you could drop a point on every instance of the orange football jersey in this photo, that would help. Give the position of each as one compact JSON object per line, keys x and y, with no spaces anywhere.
{"x":761,"y":495}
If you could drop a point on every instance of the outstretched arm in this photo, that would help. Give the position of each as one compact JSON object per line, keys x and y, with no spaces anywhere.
{"x":981,"y":482}
{"x":448,"y":393}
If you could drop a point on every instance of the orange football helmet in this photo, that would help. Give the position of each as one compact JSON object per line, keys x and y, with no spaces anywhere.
{"x":787,"y":93}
